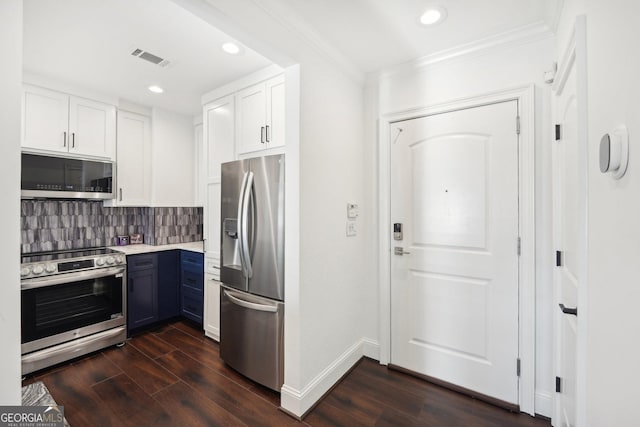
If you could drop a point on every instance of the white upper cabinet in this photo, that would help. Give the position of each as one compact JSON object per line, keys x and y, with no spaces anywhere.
{"x":133,"y":168}
{"x":57,"y":122}
{"x":275,"y":112}
{"x":92,"y":126}
{"x":45,"y":119}
{"x":261,"y":116}
{"x":219,"y":131}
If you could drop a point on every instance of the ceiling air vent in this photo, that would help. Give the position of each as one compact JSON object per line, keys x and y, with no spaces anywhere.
{"x":147,"y":56}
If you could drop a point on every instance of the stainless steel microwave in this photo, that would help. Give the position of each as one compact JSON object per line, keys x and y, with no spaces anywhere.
{"x":66,"y":178}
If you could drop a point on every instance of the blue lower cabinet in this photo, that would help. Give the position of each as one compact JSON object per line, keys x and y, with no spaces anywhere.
{"x":168,"y":284}
{"x":192,"y":285}
{"x":163,"y":285}
{"x":142,"y":296}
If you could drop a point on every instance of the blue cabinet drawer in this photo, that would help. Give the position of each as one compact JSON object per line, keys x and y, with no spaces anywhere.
{"x":141,"y":262}
{"x":192,"y":260}
{"x":193,"y":280}
{"x":192,"y":304}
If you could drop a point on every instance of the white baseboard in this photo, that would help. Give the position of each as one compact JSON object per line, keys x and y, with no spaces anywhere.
{"x":370,"y":348}
{"x":298,"y":402}
{"x":213,"y":333}
{"x":544,"y":403}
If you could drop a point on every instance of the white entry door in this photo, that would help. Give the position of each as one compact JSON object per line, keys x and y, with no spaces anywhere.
{"x":454,"y":274}
{"x":570,"y":208}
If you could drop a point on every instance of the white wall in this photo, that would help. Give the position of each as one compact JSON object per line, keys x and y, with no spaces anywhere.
{"x":173,"y":159}
{"x":10,"y":88}
{"x":613,"y":323}
{"x":496,"y":69}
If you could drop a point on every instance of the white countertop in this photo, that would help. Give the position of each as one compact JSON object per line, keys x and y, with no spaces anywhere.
{"x":142,"y":249}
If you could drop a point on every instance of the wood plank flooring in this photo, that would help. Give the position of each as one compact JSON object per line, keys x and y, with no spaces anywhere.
{"x":173,"y":376}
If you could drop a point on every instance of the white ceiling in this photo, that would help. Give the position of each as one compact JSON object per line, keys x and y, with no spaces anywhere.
{"x":375,"y":34}
{"x":88,"y":43}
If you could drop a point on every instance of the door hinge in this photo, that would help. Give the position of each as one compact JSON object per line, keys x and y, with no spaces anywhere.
{"x":518,"y":367}
{"x":558,"y":258}
{"x":558,"y":385}
{"x":558,"y":134}
{"x":519,"y":246}
{"x":518,"y":125}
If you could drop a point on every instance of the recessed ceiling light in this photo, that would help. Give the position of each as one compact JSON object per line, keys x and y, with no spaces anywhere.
{"x":156,"y":89}
{"x":231,"y":48}
{"x":432,"y":16}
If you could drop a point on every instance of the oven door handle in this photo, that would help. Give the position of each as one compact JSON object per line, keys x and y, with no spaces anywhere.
{"x":70,"y":278}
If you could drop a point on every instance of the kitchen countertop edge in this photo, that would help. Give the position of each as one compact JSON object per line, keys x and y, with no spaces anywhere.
{"x":143,"y":249}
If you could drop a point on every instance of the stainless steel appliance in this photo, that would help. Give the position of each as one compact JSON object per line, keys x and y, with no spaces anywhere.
{"x":73,"y":303}
{"x":67,"y":178}
{"x":252,"y":268}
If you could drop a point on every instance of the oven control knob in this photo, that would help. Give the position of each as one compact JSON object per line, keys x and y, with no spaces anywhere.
{"x":100,"y":261}
{"x":24,"y":271}
{"x":110,"y":260}
{"x":119,"y":259}
{"x":38,"y":269}
{"x":51,"y":268}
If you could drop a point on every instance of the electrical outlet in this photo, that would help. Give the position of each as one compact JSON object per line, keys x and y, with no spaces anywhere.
{"x":351,"y":228}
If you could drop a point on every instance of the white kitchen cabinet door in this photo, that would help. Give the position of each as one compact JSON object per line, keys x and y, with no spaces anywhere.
{"x":252,"y":119}
{"x":57,"y":122}
{"x":219,"y":131}
{"x":275,"y":112}
{"x":212,"y":307}
{"x":133,"y":167}
{"x":45,"y":119}
{"x":92,"y":128}
{"x":212,"y":220}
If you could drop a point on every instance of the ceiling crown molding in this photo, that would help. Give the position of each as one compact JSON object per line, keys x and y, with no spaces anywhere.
{"x":516,"y":37}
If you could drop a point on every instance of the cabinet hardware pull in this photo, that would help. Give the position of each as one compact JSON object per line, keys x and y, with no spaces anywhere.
{"x":262,"y":135}
{"x":120,"y":193}
{"x":73,"y":140}
{"x":64,"y":141}
{"x":267,"y":133}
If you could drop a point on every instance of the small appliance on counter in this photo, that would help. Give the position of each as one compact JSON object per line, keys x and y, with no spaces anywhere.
{"x":122,"y":240}
{"x":136,"y":239}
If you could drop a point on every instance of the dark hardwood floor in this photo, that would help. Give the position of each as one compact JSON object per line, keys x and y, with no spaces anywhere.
{"x":173,"y":376}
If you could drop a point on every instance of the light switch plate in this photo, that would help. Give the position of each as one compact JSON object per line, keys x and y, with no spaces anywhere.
{"x":351,"y":228}
{"x":352,"y":210}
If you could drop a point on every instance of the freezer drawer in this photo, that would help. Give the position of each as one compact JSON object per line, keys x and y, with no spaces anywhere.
{"x":251,"y":336}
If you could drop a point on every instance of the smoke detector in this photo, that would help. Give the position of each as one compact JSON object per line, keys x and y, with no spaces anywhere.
{"x":150,"y":57}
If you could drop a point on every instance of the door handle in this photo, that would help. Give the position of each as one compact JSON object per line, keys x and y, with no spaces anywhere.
{"x":120,"y":193}
{"x":64,"y":140}
{"x":73,"y":140}
{"x":568,"y":310}
{"x":262,"y":134}
{"x":244,"y":226}
{"x":399,"y":250}
{"x":251,"y":305}
{"x":266,"y":133}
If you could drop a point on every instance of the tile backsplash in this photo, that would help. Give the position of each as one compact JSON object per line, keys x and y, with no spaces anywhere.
{"x":49,"y":225}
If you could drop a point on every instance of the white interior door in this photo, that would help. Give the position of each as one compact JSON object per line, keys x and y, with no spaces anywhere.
{"x":454,"y":288}
{"x":569,"y":186}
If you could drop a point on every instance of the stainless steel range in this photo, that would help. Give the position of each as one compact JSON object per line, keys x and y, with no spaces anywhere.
{"x":73,"y":303}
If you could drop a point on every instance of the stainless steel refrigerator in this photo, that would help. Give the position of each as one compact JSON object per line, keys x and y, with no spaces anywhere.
{"x":252,"y":268}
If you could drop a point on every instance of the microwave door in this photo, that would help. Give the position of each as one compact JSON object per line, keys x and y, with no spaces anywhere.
{"x":233,"y":270}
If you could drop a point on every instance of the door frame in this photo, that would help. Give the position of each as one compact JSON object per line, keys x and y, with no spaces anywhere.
{"x":525,"y":95}
{"x":574,"y":55}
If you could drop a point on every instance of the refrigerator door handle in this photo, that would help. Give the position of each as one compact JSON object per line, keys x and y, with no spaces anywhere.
{"x":243,"y":187}
{"x":244,"y":226}
{"x":251,"y":305}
